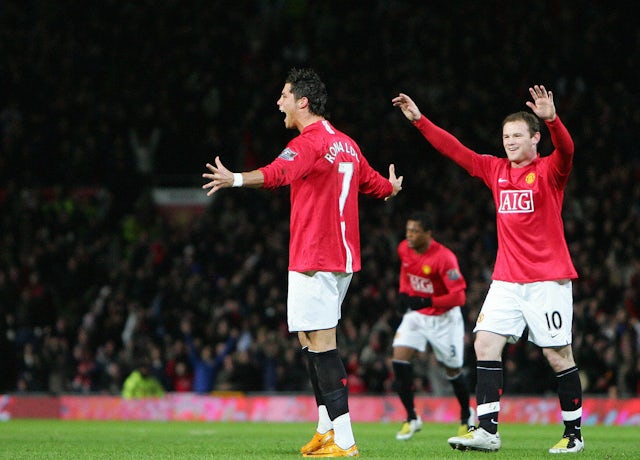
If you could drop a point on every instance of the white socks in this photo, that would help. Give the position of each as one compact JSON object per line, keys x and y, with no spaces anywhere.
{"x":324,"y":422}
{"x":342,"y":432}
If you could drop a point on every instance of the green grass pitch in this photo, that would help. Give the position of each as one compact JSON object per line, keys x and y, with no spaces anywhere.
{"x":121,"y":440}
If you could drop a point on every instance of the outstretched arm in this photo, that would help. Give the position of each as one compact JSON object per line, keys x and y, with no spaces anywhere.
{"x":221,"y":177}
{"x":442,"y":141}
{"x":544,"y":107}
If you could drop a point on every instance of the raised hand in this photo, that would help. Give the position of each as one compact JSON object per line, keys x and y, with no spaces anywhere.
{"x":408,"y":107}
{"x":542,"y":104}
{"x":219,"y":176}
{"x":395,"y":181}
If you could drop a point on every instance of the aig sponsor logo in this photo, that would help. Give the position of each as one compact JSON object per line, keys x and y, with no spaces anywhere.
{"x":420,"y":284}
{"x":512,"y":201}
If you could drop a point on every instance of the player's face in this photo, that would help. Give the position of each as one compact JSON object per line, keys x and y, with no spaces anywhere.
{"x":287,"y":105}
{"x":417,"y":237}
{"x":520,"y":146}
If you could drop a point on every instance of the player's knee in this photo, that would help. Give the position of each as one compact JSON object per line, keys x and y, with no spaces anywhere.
{"x":452,"y":373}
{"x":559,"y":359}
{"x":488,"y":346}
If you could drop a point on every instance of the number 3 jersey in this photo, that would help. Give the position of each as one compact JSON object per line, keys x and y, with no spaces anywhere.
{"x":325,"y":170}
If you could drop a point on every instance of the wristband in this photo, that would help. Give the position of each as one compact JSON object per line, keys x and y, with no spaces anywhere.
{"x":237,"y":180}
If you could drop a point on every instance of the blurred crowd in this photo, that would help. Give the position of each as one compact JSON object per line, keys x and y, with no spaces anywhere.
{"x":101,"y":104}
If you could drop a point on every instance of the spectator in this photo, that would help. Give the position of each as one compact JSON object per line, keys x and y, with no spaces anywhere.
{"x":57,"y":360}
{"x":141,"y":383}
{"x":31,"y":370}
{"x":181,"y":378}
{"x":206,"y":362}
{"x":85,"y":370}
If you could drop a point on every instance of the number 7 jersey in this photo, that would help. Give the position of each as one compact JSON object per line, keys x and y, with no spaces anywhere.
{"x":326,"y":171}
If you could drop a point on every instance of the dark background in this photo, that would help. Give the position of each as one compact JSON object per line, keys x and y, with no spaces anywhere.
{"x":80,"y":82}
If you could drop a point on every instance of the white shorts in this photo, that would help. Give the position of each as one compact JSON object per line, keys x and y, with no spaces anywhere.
{"x":444,"y":333}
{"x":546,"y":307}
{"x":314,"y":299}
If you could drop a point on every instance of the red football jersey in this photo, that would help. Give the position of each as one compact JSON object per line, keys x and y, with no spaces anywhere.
{"x":528,"y":201}
{"x":326,"y":171}
{"x":432,"y":274}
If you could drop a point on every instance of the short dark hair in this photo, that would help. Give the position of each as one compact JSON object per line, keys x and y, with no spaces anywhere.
{"x":424,"y":219}
{"x":530,"y":119}
{"x":307,"y":83}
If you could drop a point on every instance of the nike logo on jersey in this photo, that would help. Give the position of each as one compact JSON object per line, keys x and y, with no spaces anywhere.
{"x":502,"y":181}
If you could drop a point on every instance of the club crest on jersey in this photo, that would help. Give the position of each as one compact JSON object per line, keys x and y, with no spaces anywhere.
{"x":531,"y":178}
{"x":288,"y":154}
{"x":515,"y":201}
{"x":453,"y":274}
{"x":426,"y":269}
